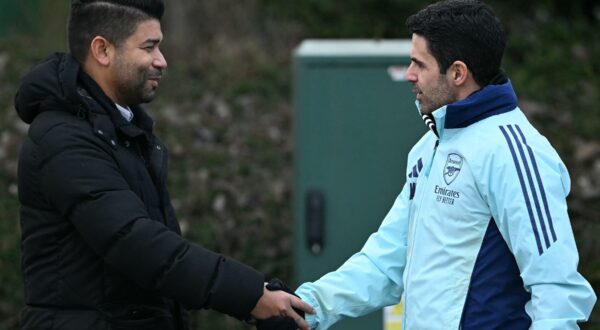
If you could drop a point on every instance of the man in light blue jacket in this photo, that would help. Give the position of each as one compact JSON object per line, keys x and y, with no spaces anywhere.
{"x":479,"y":237}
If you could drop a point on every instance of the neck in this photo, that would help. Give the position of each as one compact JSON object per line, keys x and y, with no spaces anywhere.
{"x":467,"y":89}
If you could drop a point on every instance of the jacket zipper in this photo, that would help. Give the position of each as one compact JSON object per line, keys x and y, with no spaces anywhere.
{"x":413,"y":233}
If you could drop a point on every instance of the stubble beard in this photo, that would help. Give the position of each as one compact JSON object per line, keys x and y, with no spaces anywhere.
{"x":133,"y":85}
{"x":438,"y":96}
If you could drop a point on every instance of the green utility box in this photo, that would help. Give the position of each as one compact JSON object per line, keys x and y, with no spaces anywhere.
{"x":355,"y":121}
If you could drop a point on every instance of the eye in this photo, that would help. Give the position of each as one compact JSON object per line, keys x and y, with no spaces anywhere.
{"x":149,"y":47}
{"x":417,"y":63}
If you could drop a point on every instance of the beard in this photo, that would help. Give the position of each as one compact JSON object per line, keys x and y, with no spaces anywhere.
{"x":436,"y":96}
{"x":134,"y":85}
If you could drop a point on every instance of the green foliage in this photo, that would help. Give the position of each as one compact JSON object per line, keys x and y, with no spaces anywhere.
{"x":385,"y":18}
{"x":11,"y":290}
{"x":345,"y":19}
{"x":567,"y":55}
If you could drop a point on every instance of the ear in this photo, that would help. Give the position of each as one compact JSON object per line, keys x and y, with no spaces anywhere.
{"x":458,"y":73}
{"x":101,"y":51}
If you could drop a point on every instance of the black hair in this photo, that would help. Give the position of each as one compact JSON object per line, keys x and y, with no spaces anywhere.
{"x":462,"y":30}
{"x":114,"y":20}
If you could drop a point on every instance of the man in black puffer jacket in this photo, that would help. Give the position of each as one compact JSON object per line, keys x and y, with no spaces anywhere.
{"x":101,"y":246}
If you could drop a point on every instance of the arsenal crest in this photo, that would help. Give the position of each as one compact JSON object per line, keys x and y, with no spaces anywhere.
{"x":452,"y":168}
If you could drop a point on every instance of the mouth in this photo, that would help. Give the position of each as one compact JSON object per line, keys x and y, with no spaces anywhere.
{"x":154,"y":81}
{"x":418,"y":93}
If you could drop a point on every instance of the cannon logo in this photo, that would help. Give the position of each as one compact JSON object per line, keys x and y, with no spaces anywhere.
{"x":452,"y":168}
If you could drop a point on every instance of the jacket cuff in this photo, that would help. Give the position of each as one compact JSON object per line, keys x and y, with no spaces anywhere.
{"x":236,"y":289}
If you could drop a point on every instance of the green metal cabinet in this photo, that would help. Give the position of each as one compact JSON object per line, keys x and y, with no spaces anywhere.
{"x":355,"y":121}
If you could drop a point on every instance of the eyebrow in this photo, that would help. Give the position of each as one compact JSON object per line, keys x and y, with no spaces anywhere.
{"x":153,"y":41}
{"x":420,"y":63}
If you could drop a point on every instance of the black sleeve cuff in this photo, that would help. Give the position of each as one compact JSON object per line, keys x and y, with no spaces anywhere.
{"x":236,"y":289}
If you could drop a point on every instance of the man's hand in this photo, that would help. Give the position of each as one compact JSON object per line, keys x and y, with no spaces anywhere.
{"x":280,"y":303}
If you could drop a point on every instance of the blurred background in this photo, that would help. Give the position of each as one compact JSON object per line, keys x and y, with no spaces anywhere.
{"x":225,"y":112}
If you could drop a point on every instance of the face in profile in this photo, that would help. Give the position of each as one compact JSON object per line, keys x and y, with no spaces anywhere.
{"x":139,"y":65}
{"x":432,"y":89}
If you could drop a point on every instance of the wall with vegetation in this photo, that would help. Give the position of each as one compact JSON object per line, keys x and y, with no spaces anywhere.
{"x":225,"y":112}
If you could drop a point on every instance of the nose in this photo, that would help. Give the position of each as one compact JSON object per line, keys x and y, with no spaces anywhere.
{"x":411,"y":74}
{"x":159,"y":60}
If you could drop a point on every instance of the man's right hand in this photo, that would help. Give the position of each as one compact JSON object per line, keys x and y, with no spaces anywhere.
{"x":280,"y":303}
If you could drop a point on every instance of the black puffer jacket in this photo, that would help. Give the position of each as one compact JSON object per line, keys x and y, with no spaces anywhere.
{"x":101,"y":245}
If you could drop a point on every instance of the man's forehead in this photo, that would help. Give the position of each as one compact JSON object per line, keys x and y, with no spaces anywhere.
{"x":147,"y":30}
{"x":419,"y":47}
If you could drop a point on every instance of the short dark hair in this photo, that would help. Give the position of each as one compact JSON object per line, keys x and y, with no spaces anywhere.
{"x":114,"y":20}
{"x":462,"y":30}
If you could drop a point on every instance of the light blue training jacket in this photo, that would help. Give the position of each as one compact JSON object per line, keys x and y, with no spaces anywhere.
{"x":479,"y":237}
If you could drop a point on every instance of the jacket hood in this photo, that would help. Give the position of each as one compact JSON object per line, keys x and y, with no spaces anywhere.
{"x":491,"y":100}
{"x":49,"y":85}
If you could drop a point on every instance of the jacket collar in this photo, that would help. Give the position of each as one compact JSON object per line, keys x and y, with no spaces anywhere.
{"x":496,"y":98}
{"x":488,"y":101}
{"x":142,"y":123}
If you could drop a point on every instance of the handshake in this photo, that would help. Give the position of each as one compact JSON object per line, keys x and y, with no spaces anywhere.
{"x":291,"y":315}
